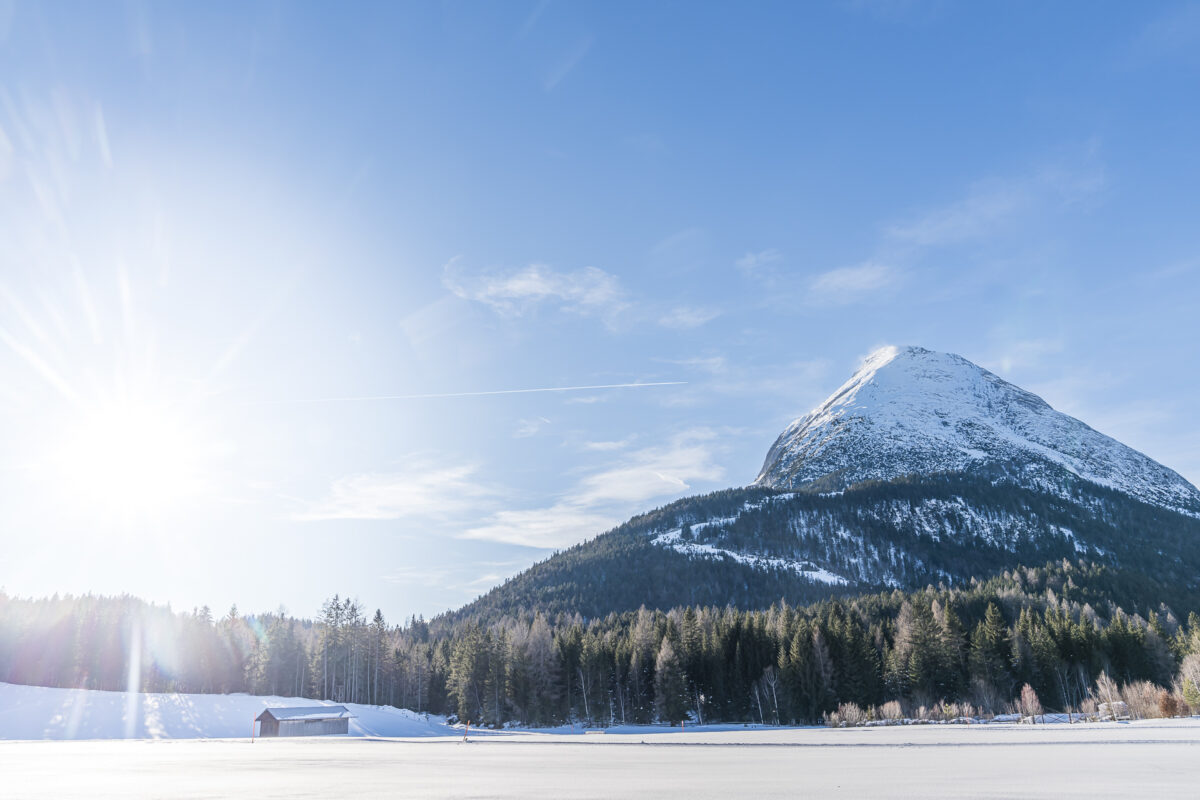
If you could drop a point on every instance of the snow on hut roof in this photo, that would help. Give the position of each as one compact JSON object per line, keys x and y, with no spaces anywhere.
{"x":307,"y":712}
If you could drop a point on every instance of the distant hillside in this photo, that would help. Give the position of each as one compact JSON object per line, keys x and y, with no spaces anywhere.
{"x":754,"y":546}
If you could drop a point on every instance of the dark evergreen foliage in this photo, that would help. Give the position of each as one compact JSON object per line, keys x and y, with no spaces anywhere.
{"x":1055,"y":628}
{"x":905,"y":533}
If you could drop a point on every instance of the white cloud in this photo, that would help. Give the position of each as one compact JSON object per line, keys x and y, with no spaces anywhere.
{"x":605,"y":498}
{"x":560,"y":525}
{"x":847,"y":284}
{"x":653,"y":472}
{"x":529,"y":427}
{"x":588,"y":291}
{"x":606,"y":446}
{"x":445,"y":493}
{"x":423,"y":489}
{"x":756,"y":263}
{"x":687,"y":317}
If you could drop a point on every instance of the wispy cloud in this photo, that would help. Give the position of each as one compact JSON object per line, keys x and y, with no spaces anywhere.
{"x":462,"y":576}
{"x":687,"y":317}
{"x":654,"y":472}
{"x":588,"y":291}
{"x":532,"y":20}
{"x":606,"y":446}
{"x":848,"y":284}
{"x":796,"y":383}
{"x":529,"y":427}
{"x":560,"y":525}
{"x":979,"y":213}
{"x":681,"y":252}
{"x":988,"y":210}
{"x":758,"y":263}
{"x":607,"y":497}
{"x":423,"y":489}
{"x":567,"y":64}
{"x":1021,"y":354}
{"x":444,"y":493}
{"x":991,"y":205}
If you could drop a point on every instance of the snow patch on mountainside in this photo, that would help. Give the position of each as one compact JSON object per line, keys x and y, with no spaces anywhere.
{"x":806,"y":569}
{"x":910,"y":410}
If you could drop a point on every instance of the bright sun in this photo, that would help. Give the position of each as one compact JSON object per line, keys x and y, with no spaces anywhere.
{"x":130,"y":459}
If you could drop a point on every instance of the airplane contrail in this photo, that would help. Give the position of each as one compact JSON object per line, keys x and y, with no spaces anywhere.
{"x":440,"y":395}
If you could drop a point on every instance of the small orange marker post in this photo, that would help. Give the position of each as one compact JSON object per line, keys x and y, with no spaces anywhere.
{"x":252,"y":721}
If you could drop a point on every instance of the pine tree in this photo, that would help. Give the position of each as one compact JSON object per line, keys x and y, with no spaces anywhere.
{"x":990,"y":648}
{"x":670,"y":691}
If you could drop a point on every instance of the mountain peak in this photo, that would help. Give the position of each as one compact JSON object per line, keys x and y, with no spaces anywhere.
{"x":909,"y":410}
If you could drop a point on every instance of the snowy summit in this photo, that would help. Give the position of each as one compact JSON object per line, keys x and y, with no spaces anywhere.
{"x":910,"y":410}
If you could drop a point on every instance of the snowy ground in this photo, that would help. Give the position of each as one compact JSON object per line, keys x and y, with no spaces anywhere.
{"x":1109,"y":760}
{"x":38,"y":712}
{"x":405,"y":755}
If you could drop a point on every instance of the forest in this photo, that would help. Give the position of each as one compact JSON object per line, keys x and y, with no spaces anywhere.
{"x":1051,"y":633}
{"x":907,"y":533}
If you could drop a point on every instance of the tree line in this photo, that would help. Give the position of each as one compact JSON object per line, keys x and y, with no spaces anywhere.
{"x":1053,"y":631}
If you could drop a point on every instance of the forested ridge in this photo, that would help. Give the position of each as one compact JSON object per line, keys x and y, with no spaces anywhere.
{"x":904,"y":533}
{"x":1055,"y":631}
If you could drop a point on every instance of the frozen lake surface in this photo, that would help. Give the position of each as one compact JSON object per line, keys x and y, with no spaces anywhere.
{"x":1159,"y":759}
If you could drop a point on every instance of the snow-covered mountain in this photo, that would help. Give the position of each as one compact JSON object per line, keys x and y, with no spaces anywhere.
{"x":922,"y":468}
{"x":908,"y":411}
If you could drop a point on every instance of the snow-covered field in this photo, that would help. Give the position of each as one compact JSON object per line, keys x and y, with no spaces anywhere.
{"x":1109,"y":760}
{"x":399,"y":754}
{"x":38,"y":712}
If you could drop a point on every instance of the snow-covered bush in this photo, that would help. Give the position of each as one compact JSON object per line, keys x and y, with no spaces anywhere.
{"x":891,"y":711}
{"x":1141,"y":698}
{"x":848,"y":715}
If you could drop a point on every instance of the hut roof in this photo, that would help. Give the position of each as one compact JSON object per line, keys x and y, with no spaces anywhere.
{"x":306,"y":712}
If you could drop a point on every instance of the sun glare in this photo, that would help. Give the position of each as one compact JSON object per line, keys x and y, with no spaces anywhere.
{"x":130,"y":459}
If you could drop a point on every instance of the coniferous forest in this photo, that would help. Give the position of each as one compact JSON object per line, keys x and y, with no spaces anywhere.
{"x":1047,"y":638}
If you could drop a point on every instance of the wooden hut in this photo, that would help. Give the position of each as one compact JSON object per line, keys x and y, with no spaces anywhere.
{"x":304,"y":721}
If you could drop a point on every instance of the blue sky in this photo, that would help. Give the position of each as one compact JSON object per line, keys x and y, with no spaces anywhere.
{"x":221,"y":221}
